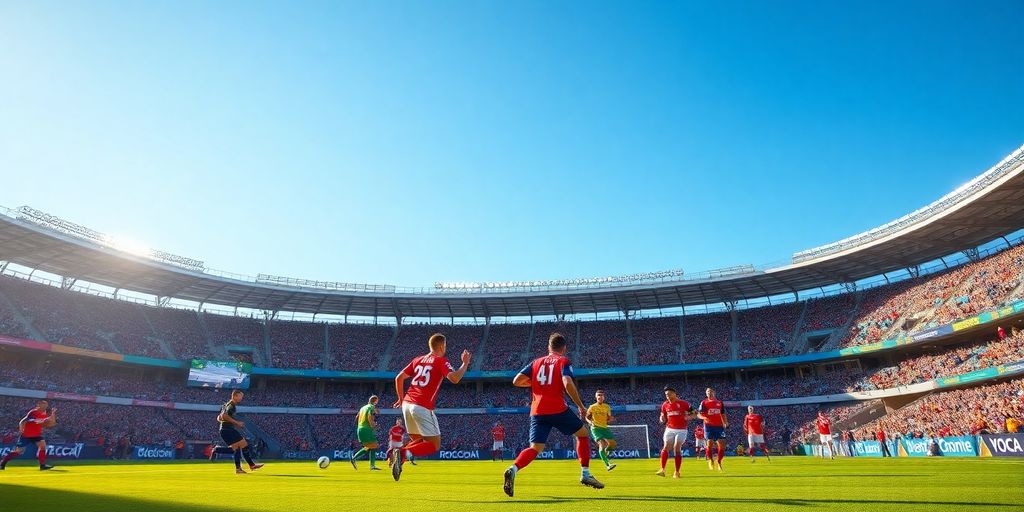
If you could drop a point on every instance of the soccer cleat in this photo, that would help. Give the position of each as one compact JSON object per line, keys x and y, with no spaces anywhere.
{"x":675,"y":475}
{"x":711,"y":464}
{"x":590,"y":481}
{"x":510,"y":482}
{"x":719,"y":467}
{"x":412,"y":462}
{"x":374,"y":468}
{"x":353,"y":461}
{"x":660,"y":472}
{"x":254,"y":467}
{"x":240,"y":471}
{"x":753,"y":460}
{"x":391,"y":458}
{"x":396,"y":470}
{"x":45,"y":467}
{"x":610,"y":467}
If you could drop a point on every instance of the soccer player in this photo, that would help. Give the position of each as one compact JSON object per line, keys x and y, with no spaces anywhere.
{"x":366,"y":423}
{"x":825,"y":434}
{"x":237,"y":445}
{"x":674,"y":413}
{"x":599,"y":415}
{"x":699,"y":443}
{"x":397,"y":439}
{"x":30,"y":432}
{"x":712,"y":411}
{"x":417,"y":405}
{"x":753,"y":426}
{"x":498,"y":448}
{"x":548,"y":378}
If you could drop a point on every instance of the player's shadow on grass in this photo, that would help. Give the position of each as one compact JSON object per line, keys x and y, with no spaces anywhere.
{"x":16,"y":497}
{"x":265,"y":475}
{"x":788,"y":502}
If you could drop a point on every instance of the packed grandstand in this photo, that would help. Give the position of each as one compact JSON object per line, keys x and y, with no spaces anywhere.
{"x":900,"y":354}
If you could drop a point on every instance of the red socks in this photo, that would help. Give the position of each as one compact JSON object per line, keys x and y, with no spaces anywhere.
{"x":721,"y":454}
{"x":679,"y":460}
{"x":583,"y":451}
{"x":526,"y":457}
{"x":707,"y":451}
{"x":42,"y":457}
{"x":664,"y":458}
{"x":422,"y":448}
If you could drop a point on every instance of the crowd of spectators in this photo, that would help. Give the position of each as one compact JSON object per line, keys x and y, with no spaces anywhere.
{"x":603,"y":344}
{"x":766,"y":331}
{"x":656,"y":341}
{"x":236,"y":331}
{"x":992,"y":283}
{"x":180,"y":329}
{"x":412,"y":342}
{"x":828,"y":312}
{"x":707,"y":337}
{"x":297,"y":344}
{"x":506,"y":345}
{"x":358,"y":347}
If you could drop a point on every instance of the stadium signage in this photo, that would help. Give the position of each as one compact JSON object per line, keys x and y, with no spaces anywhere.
{"x":931,"y":333}
{"x":1003,"y":445}
{"x":57,"y":451}
{"x":948,"y":447}
{"x":459,"y":455}
{"x":868,"y":448}
{"x":153,"y":452}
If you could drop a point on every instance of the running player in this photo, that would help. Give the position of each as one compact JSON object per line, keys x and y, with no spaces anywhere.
{"x":417,"y":405}
{"x":396,"y":440}
{"x":712,"y":411}
{"x":753,"y":426}
{"x":366,"y":424}
{"x":599,"y":416}
{"x":30,"y":432}
{"x":498,"y":448}
{"x":699,"y":443}
{"x":674,"y":413}
{"x":237,"y":445}
{"x":548,"y":378}
{"x":825,"y":434}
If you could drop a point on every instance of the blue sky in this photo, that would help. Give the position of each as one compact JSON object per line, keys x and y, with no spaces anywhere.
{"x":410,"y":142}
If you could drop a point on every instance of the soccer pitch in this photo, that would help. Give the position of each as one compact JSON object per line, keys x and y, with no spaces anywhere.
{"x":788,"y":483}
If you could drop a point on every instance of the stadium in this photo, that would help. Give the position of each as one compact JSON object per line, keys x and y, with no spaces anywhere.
{"x":881,"y":371}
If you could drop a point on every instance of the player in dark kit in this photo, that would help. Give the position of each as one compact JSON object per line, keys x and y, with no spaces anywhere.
{"x":237,"y":445}
{"x":30,"y":430}
{"x":549,"y":378}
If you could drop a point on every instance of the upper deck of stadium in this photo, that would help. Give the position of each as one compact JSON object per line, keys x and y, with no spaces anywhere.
{"x":987,"y":207}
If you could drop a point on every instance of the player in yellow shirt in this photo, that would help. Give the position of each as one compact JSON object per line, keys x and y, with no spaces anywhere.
{"x":599,"y":416}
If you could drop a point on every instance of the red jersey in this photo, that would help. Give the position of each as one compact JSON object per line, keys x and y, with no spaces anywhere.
{"x":754,"y":424}
{"x":397,"y":434}
{"x":713,"y":411}
{"x":698,"y":434}
{"x":34,"y":423}
{"x":498,"y":433}
{"x":427,"y":372}
{"x":824,"y":426}
{"x":675,"y":413}
{"x":545,"y":375}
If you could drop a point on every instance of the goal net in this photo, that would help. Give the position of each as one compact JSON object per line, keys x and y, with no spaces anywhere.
{"x":632,"y":441}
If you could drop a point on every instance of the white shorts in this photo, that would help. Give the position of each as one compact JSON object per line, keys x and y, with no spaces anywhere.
{"x":498,"y":445}
{"x":700,"y":443}
{"x":825,"y":438}
{"x":394,"y":444}
{"x":420,"y":421}
{"x":674,"y":436}
{"x":755,"y":439}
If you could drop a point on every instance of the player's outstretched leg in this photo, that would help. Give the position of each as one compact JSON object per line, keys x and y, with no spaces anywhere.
{"x":7,"y":458}
{"x":524,"y":459}
{"x":583,"y":452}
{"x":764,"y":448}
{"x":355,"y":456}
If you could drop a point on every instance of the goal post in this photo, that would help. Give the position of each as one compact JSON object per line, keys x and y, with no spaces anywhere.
{"x":632,"y":441}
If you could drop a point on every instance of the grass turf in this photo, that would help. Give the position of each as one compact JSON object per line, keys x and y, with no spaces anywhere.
{"x":788,"y":483}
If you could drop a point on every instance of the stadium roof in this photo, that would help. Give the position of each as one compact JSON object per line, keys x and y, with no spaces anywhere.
{"x":989,"y":206}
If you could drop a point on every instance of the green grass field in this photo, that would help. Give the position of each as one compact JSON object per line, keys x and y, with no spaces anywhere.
{"x":792,"y":483}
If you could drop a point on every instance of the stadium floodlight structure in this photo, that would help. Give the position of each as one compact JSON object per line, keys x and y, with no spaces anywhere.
{"x":67,"y":227}
{"x":324,"y":285}
{"x":640,"y":278}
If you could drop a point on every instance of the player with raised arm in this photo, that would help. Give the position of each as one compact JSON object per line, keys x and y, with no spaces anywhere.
{"x":498,"y":435}
{"x":674,"y":413}
{"x":396,"y":438}
{"x":712,"y":412}
{"x":30,"y":432}
{"x":229,"y":428}
{"x":753,"y":426}
{"x":825,"y":435}
{"x":599,"y":415}
{"x":366,"y":425}
{"x":427,"y":372}
{"x":549,"y":379}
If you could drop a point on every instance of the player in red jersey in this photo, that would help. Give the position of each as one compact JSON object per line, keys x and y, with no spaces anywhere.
{"x":753,"y":426}
{"x":427,"y":372}
{"x":699,"y":443}
{"x":30,"y":430}
{"x":396,"y":438}
{"x":712,"y":411}
{"x":498,"y":448}
{"x":549,"y":378}
{"x":674,"y":413}
{"x":825,"y":435}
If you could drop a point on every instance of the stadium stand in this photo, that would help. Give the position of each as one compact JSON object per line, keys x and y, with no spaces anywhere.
{"x":656,"y":341}
{"x":297,"y":344}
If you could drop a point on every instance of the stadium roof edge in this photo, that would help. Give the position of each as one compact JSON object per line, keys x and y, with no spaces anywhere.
{"x":989,"y":211}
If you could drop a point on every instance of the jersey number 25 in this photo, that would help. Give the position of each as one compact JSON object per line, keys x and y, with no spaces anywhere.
{"x":422,"y":377}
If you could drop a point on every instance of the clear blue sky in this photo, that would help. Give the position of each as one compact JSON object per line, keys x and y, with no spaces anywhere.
{"x":408,"y":142}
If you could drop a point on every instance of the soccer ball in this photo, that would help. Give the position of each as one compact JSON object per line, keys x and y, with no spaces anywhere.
{"x":323,"y":462}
